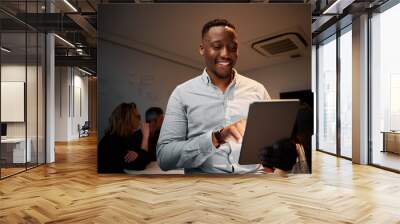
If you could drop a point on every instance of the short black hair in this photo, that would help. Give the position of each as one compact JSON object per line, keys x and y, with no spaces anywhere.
{"x":152,"y":113}
{"x":216,"y":22}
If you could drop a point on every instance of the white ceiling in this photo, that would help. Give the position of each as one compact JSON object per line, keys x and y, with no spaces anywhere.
{"x":173,"y":30}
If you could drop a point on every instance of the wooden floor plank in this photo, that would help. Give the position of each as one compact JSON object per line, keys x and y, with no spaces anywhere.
{"x":71,"y":191}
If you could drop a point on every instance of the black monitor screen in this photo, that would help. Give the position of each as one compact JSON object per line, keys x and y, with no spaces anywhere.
{"x":305,"y":96}
{"x":3,"y":129}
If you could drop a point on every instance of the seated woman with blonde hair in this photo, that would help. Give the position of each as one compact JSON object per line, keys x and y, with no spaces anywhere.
{"x":125,"y":144}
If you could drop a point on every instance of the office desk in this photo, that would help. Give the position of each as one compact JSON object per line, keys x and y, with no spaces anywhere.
{"x":13,"y":150}
{"x":391,"y":141}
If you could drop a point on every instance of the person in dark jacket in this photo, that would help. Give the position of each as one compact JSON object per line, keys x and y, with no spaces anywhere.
{"x":293,"y":154}
{"x":125,"y":144}
{"x":155,"y":118}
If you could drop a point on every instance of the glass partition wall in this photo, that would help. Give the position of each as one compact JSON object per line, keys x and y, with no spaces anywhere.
{"x":385,"y":89}
{"x":345,"y":65}
{"x":334,"y":86}
{"x":22,"y":88}
{"x":326,"y":140}
{"x":13,"y":87}
{"x":334,"y":101}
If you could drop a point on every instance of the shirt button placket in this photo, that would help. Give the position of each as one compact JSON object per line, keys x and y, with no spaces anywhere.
{"x":226,"y":115}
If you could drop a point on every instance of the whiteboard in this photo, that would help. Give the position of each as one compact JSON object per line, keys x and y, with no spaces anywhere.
{"x":12,"y":101}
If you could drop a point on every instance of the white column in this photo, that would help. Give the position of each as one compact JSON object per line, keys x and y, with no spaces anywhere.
{"x":360,"y":90}
{"x":50,"y":93}
{"x":62,"y":103}
{"x":50,"y":99}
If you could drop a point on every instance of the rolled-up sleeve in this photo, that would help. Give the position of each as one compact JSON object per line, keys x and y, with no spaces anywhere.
{"x":174,"y":149}
{"x":265,"y":94}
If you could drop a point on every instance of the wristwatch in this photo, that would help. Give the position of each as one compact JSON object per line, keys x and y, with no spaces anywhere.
{"x":218,"y":137}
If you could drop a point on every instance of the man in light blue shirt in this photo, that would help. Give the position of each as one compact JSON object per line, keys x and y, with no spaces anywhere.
{"x":206,"y":116}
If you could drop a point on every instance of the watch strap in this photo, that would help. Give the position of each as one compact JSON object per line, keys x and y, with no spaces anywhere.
{"x":218,"y":137}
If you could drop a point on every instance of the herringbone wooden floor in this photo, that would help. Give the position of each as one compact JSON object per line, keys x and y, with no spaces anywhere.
{"x":70,"y":191}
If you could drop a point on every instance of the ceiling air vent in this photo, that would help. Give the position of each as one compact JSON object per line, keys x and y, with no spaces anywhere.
{"x":290,"y":44}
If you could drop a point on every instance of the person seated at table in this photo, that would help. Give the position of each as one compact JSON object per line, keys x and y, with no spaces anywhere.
{"x":280,"y":157}
{"x":125,"y":144}
{"x":292,"y":155}
{"x":155,"y":118}
{"x":302,"y":133}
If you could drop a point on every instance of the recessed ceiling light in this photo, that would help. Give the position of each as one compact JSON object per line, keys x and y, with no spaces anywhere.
{"x":338,"y":6}
{"x":70,"y":5}
{"x":65,"y":41}
{"x":84,"y":71}
{"x":5,"y":50}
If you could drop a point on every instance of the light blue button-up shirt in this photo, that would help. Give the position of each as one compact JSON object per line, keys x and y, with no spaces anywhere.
{"x":195,"y":109}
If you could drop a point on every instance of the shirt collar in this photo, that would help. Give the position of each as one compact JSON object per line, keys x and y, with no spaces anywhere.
{"x":206,"y":78}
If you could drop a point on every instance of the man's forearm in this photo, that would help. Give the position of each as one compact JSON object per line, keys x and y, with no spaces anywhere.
{"x":174,"y":154}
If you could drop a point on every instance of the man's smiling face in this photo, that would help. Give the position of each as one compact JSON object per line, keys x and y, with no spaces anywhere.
{"x":220,"y":50}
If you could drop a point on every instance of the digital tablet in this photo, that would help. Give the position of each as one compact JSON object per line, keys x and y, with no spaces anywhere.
{"x":267,"y":123}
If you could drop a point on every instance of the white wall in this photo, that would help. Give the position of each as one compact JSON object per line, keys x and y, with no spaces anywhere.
{"x":69,"y":82}
{"x":33,"y":127}
{"x":13,"y":72}
{"x":80,"y":83}
{"x":141,"y":78}
{"x":290,"y":76}
{"x":16,"y":72}
{"x":61,"y":103}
